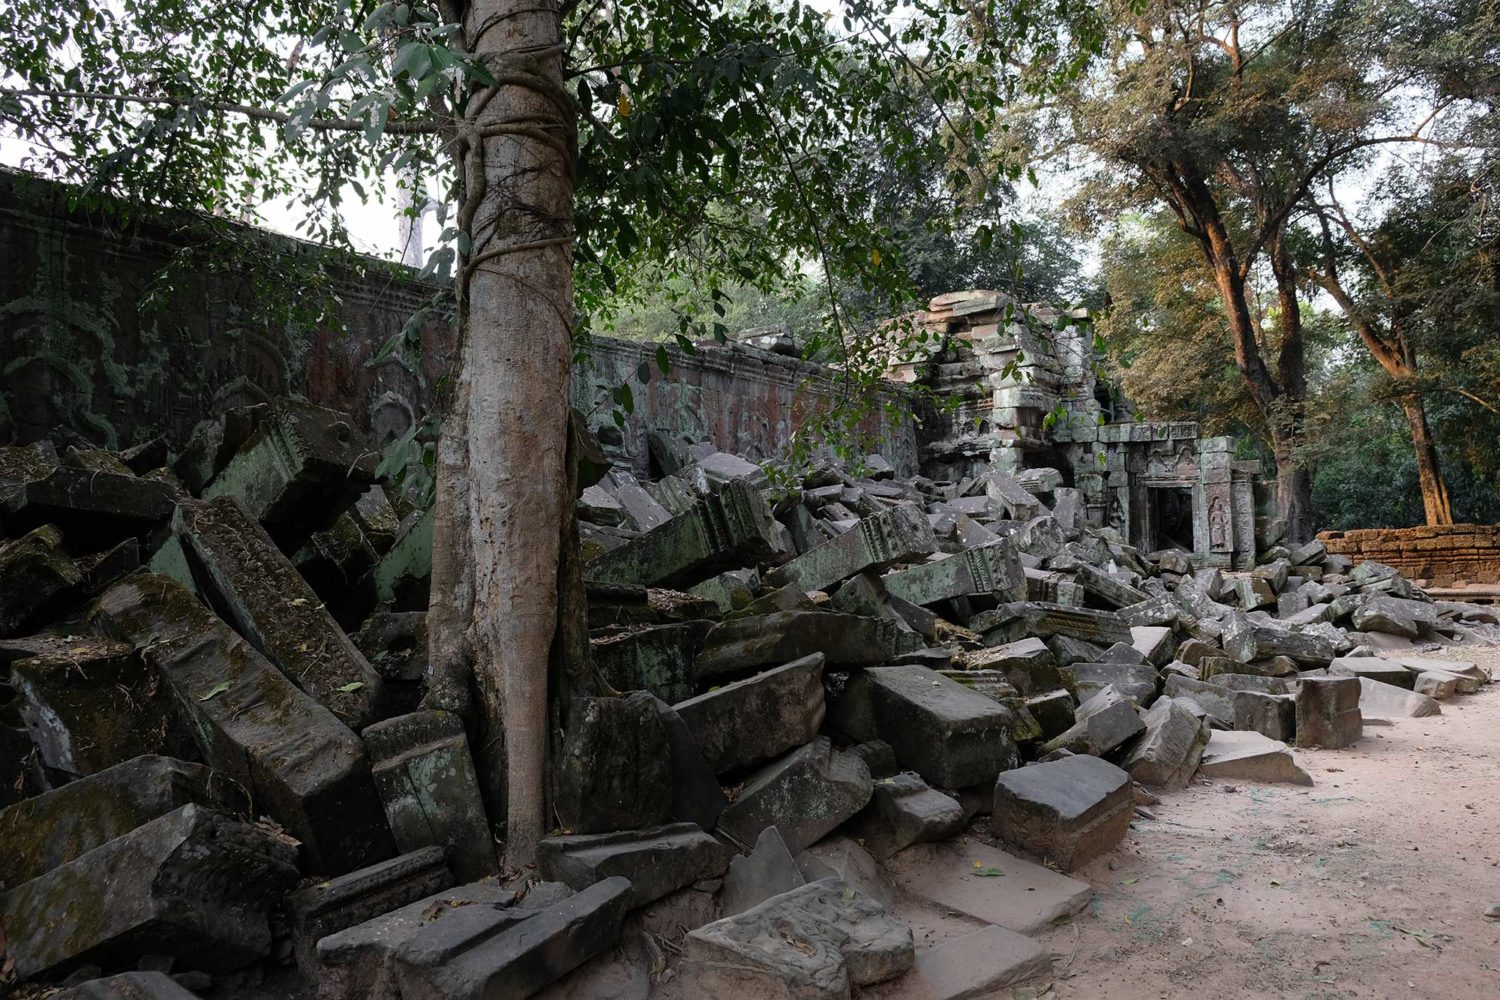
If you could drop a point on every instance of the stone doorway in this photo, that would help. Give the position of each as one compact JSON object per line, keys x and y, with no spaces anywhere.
{"x":1171,"y":518}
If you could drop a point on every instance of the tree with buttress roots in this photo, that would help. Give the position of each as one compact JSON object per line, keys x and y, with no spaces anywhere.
{"x":590,"y":148}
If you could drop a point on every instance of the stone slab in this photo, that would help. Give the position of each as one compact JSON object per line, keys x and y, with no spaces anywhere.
{"x":1069,"y":811}
{"x":1026,"y":897}
{"x":656,"y":862}
{"x":752,"y":720}
{"x":1248,"y":756}
{"x":806,"y":795}
{"x":975,"y":965}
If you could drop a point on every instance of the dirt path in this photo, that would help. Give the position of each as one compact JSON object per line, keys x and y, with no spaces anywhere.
{"x":1373,"y":883}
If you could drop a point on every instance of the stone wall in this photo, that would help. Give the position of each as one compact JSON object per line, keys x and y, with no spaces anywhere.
{"x":87,"y":345}
{"x":1440,"y":557}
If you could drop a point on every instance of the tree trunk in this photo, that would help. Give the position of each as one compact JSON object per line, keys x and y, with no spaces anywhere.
{"x":1293,"y":489}
{"x":518,"y":287}
{"x":1435,"y":501}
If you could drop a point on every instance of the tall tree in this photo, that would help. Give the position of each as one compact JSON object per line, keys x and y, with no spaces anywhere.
{"x":1227,"y":114}
{"x":582,"y":140}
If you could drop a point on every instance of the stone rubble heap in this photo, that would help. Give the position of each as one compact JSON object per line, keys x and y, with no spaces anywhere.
{"x":830,"y":699}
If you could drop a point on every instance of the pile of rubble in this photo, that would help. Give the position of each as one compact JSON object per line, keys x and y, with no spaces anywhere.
{"x":829,"y":699}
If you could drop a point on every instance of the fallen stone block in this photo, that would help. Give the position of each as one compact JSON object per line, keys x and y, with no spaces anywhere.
{"x":1066,"y":651}
{"x":395,"y":644}
{"x":730,"y":590}
{"x":354,"y":964}
{"x":656,"y":861}
{"x":1460,"y":668}
{"x":768,"y":870}
{"x":1053,"y":711}
{"x":840,"y":857}
{"x":128,"y":986}
{"x":300,"y":763}
{"x":1272,"y":715}
{"x":1395,"y":616}
{"x":325,"y":908}
{"x":1215,"y":700}
{"x":301,"y":468}
{"x":1101,"y":585}
{"x":52,"y":829}
{"x":815,"y":942}
{"x":900,"y":534}
{"x":403,"y":577}
{"x":1386,"y":701}
{"x":426,"y":780}
{"x":1168,"y":752}
{"x":511,"y":957}
{"x":751,"y":721}
{"x":1374,"y":668}
{"x":950,"y":735}
{"x":984,"y":882}
{"x":1011,"y":622}
{"x":1136,"y":681}
{"x":1250,"y":756}
{"x":987,"y":569}
{"x":643,"y":512}
{"x":768,"y":640}
{"x":806,"y":795}
{"x":1157,"y":643}
{"x":1328,"y":712}
{"x":1068,"y":811}
{"x":729,"y":530}
{"x":655,"y":658}
{"x":70,"y":691}
{"x":1437,"y":686}
{"x":697,"y":796}
{"x":34,"y":571}
{"x":94,"y":508}
{"x":905,"y":810}
{"x":193,"y":884}
{"x":1101,"y":724}
{"x":975,"y":965}
{"x":615,"y":771}
{"x":258,"y":591}
{"x":1047,"y":587}
{"x":1028,"y":664}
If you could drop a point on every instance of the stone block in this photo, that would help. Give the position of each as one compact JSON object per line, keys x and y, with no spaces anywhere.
{"x":34,"y":571}
{"x":994,"y":568}
{"x":1010,"y":622}
{"x":1068,"y":811}
{"x":94,"y":508}
{"x":979,"y":964}
{"x":355,"y":963}
{"x":697,"y":796}
{"x":323,"y":908}
{"x":937,"y":727}
{"x":731,"y":529}
{"x":1249,"y":756}
{"x":303,"y":766}
{"x":1136,"y":681}
{"x":655,"y":658}
{"x":1101,"y":724}
{"x":512,"y":958}
{"x":905,"y":810}
{"x":1215,"y":700}
{"x":1395,"y":616}
{"x":1067,"y":651}
{"x":52,"y":829}
{"x":806,"y":795}
{"x":815,"y":942}
{"x":1386,"y":701}
{"x":1437,"y":686}
{"x":768,"y":870}
{"x":257,"y":590}
{"x":751,"y":721}
{"x":1027,"y":664}
{"x":300,"y":469}
{"x":657,"y":862}
{"x":983,"y":882}
{"x":1157,"y":643}
{"x":193,"y":884}
{"x":395,"y":643}
{"x":70,"y":690}
{"x":768,"y":640}
{"x":1168,"y":752}
{"x":1053,"y":711}
{"x":426,"y":780}
{"x":1328,"y":712}
{"x":616,"y":766}
{"x":1375,"y":668}
{"x":899,"y":534}
{"x":1272,"y":715}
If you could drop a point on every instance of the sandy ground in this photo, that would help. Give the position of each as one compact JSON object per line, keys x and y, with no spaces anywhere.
{"x":1373,"y":883}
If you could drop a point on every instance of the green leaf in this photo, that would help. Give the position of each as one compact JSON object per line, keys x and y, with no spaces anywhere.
{"x":214,"y":691}
{"x":663,"y":360}
{"x":351,"y":687}
{"x":988,"y":872}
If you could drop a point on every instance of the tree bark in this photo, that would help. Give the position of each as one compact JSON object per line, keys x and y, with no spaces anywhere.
{"x":1435,"y":501}
{"x":518,"y":286}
